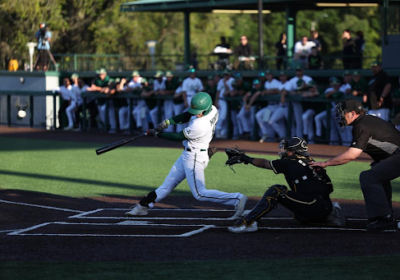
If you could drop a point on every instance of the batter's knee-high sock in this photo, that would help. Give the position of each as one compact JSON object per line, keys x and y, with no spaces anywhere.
{"x":149,"y":198}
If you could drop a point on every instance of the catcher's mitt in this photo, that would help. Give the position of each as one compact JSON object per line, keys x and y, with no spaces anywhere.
{"x":235,"y":156}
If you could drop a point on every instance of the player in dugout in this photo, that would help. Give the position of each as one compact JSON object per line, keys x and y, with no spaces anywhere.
{"x":381,"y":141}
{"x":202,"y":118}
{"x":308,"y":196}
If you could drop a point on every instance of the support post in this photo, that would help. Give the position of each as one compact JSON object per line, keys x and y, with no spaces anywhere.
{"x":290,"y":31}
{"x":31,"y":110}
{"x":54,"y":111}
{"x":187,"y":38}
{"x":260,"y":36}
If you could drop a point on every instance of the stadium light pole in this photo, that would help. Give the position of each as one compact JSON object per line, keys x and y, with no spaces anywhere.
{"x":31,"y":46}
{"x":152,"y":49}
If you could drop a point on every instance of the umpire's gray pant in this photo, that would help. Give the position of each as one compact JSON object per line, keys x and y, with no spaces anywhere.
{"x":376,"y":186}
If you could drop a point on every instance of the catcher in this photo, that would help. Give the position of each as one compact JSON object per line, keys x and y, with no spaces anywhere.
{"x":308,"y":197}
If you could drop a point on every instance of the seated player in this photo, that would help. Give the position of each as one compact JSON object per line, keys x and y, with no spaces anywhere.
{"x":202,"y":117}
{"x":308,"y":196}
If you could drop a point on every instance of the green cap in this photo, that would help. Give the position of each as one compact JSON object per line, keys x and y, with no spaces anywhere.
{"x":282,"y":73}
{"x":312,"y":83}
{"x":226,"y":72}
{"x":101,"y":71}
{"x":238,"y":76}
{"x":261,"y":74}
{"x":356,"y":73}
{"x":300,"y":84}
{"x":74,"y":76}
{"x":151,"y":81}
{"x":268,"y":72}
{"x":135,"y":73}
{"x":169,"y":74}
{"x":210,"y":77}
{"x":159,"y":74}
{"x":191,"y":70}
{"x":143,"y":80}
{"x":346,"y":73}
{"x":335,"y":81}
{"x":376,"y":63}
{"x":299,"y":68}
{"x":256,"y":82}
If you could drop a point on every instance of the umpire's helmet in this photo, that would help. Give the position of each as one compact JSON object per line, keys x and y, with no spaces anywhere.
{"x":347,"y":106}
{"x":201,"y":103}
{"x":294,"y":144}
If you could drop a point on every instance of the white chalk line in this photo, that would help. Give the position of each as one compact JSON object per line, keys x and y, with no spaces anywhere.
{"x":22,"y":232}
{"x":40,"y":206}
{"x":8,"y":230}
{"x":85,"y":213}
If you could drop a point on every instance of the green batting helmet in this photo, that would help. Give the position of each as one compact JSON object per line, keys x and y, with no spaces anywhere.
{"x":201,"y":103}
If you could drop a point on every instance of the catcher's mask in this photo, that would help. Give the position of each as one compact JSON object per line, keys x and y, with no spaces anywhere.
{"x":294,"y":144}
{"x":347,"y":106}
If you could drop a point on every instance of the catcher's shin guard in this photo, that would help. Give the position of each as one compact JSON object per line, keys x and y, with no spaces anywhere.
{"x":265,"y":205}
{"x":149,"y":198}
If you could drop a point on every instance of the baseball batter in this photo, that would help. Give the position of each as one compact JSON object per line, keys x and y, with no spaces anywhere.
{"x":196,"y":137}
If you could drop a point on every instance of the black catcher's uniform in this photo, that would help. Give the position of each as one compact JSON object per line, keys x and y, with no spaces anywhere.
{"x":308,"y":197}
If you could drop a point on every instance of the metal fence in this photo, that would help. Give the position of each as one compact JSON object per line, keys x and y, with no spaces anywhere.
{"x":117,"y":62}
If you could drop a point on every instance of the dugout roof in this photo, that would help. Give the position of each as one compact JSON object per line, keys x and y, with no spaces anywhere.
{"x":210,"y":5}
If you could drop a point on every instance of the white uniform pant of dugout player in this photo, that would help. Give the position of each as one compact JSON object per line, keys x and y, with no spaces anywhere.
{"x":191,"y":165}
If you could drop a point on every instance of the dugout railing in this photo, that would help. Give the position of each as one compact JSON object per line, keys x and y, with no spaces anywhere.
{"x":324,"y":102}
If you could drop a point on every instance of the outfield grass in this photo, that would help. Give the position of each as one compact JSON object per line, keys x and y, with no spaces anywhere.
{"x":73,"y":169}
{"x":376,"y":267}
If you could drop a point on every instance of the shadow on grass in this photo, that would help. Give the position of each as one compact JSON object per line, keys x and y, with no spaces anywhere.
{"x":85,"y":181}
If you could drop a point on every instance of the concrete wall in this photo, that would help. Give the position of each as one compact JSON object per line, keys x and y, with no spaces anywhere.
{"x":34,"y":82}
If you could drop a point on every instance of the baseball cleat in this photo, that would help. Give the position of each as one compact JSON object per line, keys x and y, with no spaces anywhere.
{"x":244,"y":228}
{"x":382,"y":224}
{"x":239,"y":208}
{"x":138,"y":210}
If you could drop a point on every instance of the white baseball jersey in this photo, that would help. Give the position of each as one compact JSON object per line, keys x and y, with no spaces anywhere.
{"x":66,"y":92}
{"x":273,"y":84}
{"x":221,"y":87}
{"x":344,"y":88}
{"x":293,"y":81}
{"x":78,"y":92}
{"x":285,"y":86}
{"x":192,"y":86}
{"x":200,"y":131}
{"x":132,"y":84}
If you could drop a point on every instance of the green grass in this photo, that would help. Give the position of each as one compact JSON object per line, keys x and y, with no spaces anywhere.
{"x":377,"y":267}
{"x":73,"y":169}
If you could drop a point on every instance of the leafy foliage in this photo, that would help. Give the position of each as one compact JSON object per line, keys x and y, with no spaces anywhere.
{"x":98,"y":27}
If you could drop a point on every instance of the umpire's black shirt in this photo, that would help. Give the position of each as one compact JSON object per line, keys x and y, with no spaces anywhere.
{"x":376,"y":137}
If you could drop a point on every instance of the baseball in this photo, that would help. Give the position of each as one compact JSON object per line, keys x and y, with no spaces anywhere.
{"x":21,"y":114}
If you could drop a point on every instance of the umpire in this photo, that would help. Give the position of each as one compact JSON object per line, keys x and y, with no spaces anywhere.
{"x":308,"y":196}
{"x":381,"y":141}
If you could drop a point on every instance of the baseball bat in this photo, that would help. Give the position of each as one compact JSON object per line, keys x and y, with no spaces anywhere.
{"x":115,"y":145}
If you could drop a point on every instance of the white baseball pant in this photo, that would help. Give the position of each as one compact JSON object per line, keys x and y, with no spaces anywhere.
{"x":191,"y":165}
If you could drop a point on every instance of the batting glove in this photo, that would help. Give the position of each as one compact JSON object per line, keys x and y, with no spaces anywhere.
{"x":152,"y":133}
{"x":163,"y":125}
